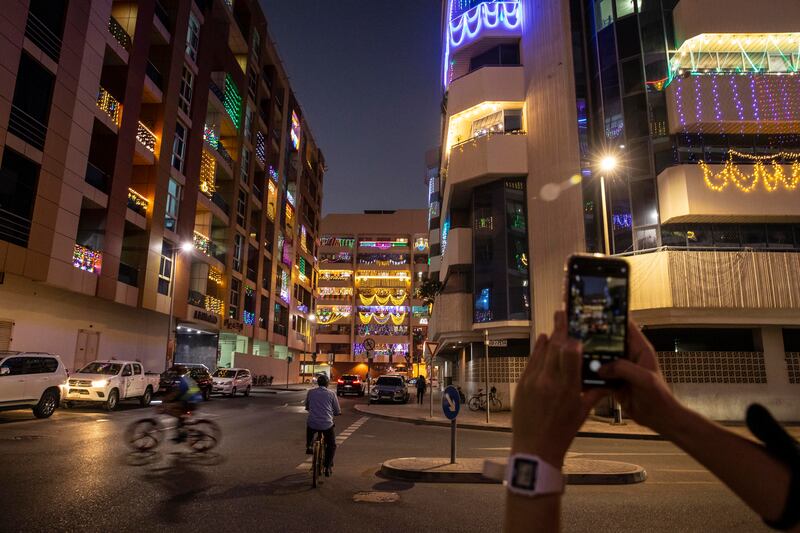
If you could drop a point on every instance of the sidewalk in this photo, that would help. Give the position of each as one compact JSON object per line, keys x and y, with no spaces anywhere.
{"x":595,"y":426}
{"x":278,"y":389}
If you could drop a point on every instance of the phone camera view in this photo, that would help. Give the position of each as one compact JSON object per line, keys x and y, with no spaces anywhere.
{"x":598,"y":317}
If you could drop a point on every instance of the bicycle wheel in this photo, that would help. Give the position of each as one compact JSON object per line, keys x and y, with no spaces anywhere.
{"x":142,"y":435}
{"x":203,"y":435}
{"x":497,"y":405}
{"x":474,"y":403}
{"x":315,"y":464}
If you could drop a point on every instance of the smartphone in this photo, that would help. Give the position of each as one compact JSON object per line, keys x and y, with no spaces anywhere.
{"x":597,"y":312}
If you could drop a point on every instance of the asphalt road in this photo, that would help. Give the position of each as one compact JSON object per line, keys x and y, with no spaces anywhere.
{"x":72,"y":472}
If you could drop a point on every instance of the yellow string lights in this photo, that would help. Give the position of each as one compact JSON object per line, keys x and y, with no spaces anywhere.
{"x":382,"y":318}
{"x":382,"y":299}
{"x":772,"y":179}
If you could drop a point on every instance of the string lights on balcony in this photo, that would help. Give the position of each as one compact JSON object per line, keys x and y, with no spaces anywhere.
{"x":772,"y":180}
{"x":87,"y":259}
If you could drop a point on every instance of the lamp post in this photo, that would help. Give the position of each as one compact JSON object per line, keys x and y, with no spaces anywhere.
{"x":486,"y":358}
{"x":186,"y":248}
{"x":309,"y":320}
{"x":607,"y":165}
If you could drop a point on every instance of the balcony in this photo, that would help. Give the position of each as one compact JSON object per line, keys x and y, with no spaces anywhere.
{"x":97,"y":178}
{"x":730,"y":193}
{"x":485,"y":158}
{"x":152,"y":90}
{"x":110,"y":106}
{"x":120,"y":35}
{"x":204,"y":245}
{"x":27,"y":127}
{"x":43,"y":37}
{"x":487,"y":84}
{"x":137,"y":203}
{"x":128,"y":275}
{"x":667,"y":285}
{"x":86,"y":259}
{"x":145,"y":147}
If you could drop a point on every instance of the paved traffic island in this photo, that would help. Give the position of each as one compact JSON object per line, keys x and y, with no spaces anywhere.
{"x":578,"y":471}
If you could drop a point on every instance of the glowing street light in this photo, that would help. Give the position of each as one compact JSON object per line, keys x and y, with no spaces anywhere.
{"x":609,"y":163}
{"x":187,"y":246}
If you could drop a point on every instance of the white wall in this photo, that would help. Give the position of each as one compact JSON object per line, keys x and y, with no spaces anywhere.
{"x":47,"y":319}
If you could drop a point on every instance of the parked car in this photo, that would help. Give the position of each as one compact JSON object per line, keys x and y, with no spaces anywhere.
{"x":199,"y":373}
{"x":389,"y":388}
{"x":232,"y":380}
{"x":30,"y":379}
{"x":108,"y":382}
{"x":349,"y":384}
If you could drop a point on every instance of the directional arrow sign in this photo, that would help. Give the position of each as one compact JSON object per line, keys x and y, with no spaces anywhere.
{"x":451,"y":402}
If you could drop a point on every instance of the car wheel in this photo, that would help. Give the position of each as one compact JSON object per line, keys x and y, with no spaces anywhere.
{"x":144,"y":401}
{"x":206,"y":395}
{"x":113,"y":400}
{"x":247,"y":391}
{"x":233,"y":392}
{"x":47,"y":404}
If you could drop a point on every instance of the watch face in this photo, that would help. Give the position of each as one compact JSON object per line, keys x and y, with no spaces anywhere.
{"x":524,"y":476}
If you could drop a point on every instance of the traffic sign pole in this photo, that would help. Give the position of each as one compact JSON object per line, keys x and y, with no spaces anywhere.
{"x":451,"y":405}
{"x":453,"y":442}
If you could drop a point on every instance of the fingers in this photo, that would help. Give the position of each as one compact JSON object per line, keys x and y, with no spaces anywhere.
{"x":625,"y":370}
{"x":639,"y":348}
{"x":537,"y":358}
{"x":570,"y":363}
{"x":590,"y":399}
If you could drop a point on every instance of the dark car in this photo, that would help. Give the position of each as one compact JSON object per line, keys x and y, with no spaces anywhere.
{"x":199,"y":373}
{"x":389,"y":389}
{"x":349,"y":384}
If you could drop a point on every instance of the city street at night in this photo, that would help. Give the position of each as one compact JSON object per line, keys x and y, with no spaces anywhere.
{"x":73,"y":472}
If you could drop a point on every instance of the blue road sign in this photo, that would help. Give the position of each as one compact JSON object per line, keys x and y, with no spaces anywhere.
{"x":451,"y":402}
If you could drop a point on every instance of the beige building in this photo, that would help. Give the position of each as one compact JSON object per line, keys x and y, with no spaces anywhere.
{"x":369,"y":266}
{"x":702,"y":114}
{"x":161,"y":189}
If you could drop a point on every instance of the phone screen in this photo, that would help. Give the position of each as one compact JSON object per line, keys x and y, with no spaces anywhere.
{"x":597,"y":312}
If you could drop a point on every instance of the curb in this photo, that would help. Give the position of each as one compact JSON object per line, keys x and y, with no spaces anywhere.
{"x":503,"y":429}
{"x":579,"y":475}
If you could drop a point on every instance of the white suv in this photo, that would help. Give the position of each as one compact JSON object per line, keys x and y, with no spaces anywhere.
{"x":30,"y":379}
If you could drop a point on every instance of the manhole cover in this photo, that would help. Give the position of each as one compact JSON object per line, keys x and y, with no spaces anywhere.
{"x":376,"y":497}
{"x":27,"y":437}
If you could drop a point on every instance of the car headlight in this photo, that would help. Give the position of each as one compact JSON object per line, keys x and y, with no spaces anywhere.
{"x":100,"y":383}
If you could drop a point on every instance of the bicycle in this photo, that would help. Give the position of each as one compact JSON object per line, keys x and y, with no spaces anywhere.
{"x":318,"y":459}
{"x":201,"y":435}
{"x":477,"y":402}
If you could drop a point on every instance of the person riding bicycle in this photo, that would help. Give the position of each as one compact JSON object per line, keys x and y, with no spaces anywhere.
{"x":182,"y":399}
{"x":322,"y":405}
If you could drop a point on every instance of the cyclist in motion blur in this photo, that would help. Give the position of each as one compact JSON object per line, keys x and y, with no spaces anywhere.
{"x":181,"y":400}
{"x":322,"y":405}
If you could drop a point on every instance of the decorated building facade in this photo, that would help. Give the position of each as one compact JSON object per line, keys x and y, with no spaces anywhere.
{"x":701,"y":113}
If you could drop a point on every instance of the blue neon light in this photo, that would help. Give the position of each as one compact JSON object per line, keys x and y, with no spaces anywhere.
{"x":466,"y":26}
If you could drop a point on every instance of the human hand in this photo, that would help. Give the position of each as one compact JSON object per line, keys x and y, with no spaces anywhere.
{"x":549,"y":406}
{"x":644,"y":394}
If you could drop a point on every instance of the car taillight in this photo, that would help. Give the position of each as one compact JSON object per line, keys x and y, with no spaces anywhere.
{"x":356,"y":382}
{"x":339,"y":381}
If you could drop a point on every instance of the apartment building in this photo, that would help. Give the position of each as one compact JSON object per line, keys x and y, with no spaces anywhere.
{"x":697,"y":101}
{"x":161,"y":188}
{"x":370,"y":265}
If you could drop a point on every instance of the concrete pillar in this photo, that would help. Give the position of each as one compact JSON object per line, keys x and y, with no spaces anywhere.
{"x":774,"y":357}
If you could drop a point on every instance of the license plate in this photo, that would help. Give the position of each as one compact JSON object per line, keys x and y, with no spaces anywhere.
{"x":348,"y":387}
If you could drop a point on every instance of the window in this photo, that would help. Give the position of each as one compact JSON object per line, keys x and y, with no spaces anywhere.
{"x":137,"y":368}
{"x":193,"y":37}
{"x":165,"y":267}
{"x":185,"y":94}
{"x":13,"y":366}
{"x":126,"y":371}
{"x":233,"y":306}
{"x":179,"y":147}
{"x":244,"y":169}
{"x":241,"y":208}
{"x":625,"y":7}
{"x":248,"y":123}
{"x":263,"y":317}
{"x":603,"y":14}
{"x":238,"y":245}
{"x":18,"y":176}
{"x":173,"y":205}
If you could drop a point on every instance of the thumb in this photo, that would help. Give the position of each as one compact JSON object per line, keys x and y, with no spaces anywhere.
{"x":625,"y":370}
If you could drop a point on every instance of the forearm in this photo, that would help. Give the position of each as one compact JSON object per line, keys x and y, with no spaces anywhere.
{"x":524,"y":514}
{"x":761,"y":481}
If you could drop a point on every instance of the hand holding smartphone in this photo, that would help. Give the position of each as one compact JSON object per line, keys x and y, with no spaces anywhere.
{"x":597,"y":312}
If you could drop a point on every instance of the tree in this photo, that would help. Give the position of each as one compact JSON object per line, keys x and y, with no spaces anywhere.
{"x":428,"y":290}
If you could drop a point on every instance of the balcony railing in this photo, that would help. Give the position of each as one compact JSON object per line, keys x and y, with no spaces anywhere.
{"x":220,"y":202}
{"x":163,"y":16}
{"x":128,"y":275}
{"x":27,"y":127}
{"x":110,"y":105}
{"x":197,"y":299}
{"x":154,"y":74}
{"x":146,"y":137}
{"x":43,"y":37}
{"x":203,"y":244}
{"x":14,"y":228}
{"x":217,"y":91}
{"x":119,"y":33}
{"x":97,"y":178}
{"x":137,"y":203}
{"x":225,"y":155}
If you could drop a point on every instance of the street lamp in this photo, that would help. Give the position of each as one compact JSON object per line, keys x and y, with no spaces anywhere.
{"x":608,"y":164}
{"x":186,"y":247}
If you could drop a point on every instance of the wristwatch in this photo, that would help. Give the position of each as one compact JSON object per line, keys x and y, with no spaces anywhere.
{"x":527,"y":475}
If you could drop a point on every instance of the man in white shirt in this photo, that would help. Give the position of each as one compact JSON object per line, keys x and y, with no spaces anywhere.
{"x":322,"y":405}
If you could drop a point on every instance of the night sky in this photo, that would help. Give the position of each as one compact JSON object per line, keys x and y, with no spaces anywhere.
{"x":366,"y":75}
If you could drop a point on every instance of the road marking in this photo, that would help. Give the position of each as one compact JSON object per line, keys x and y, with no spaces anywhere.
{"x":648,"y":482}
{"x":340,"y":438}
{"x":632,"y":453}
{"x":695,"y":471}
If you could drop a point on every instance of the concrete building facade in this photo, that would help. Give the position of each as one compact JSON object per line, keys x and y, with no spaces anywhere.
{"x":697,"y":100}
{"x":161,"y":190}
{"x":370,"y":265}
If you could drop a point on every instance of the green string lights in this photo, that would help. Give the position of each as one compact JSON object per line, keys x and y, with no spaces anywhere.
{"x":233,"y":101}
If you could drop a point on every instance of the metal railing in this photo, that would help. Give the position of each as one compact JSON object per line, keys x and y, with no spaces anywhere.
{"x":486,"y":136}
{"x":154,"y":74}
{"x":220,"y":202}
{"x":224,"y":153}
{"x":197,"y":299}
{"x":43,"y":37}
{"x":217,"y":91}
{"x":97,"y":178}
{"x":109,"y":105}
{"x":27,"y":127}
{"x":14,"y":228}
{"x":146,"y":137}
{"x":119,"y":33}
{"x":162,"y":15}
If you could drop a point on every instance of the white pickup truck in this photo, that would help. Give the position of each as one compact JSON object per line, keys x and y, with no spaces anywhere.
{"x":108,"y":382}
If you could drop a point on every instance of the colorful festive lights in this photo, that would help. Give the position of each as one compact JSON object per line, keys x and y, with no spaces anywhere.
{"x":201,"y":243}
{"x":248,"y":318}
{"x":335,"y":275}
{"x":421,"y":244}
{"x":284,"y":290}
{"x":383,"y":299}
{"x":208,"y":173}
{"x":294,"y":133}
{"x":210,"y":136}
{"x":273,"y":173}
{"x":138,"y":200}
{"x":261,"y":148}
{"x":771,"y":180}
{"x":233,"y":101}
{"x":384,"y":245}
{"x":382,"y":349}
{"x":214,"y":305}
{"x":215,"y":275}
{"x":146,"y":137}
{"x":87,"y":259}
{"x":328,"y":314}
{"x":344,"y":242}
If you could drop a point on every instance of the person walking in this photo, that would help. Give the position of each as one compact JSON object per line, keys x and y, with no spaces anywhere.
{"x":421,"y":386}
